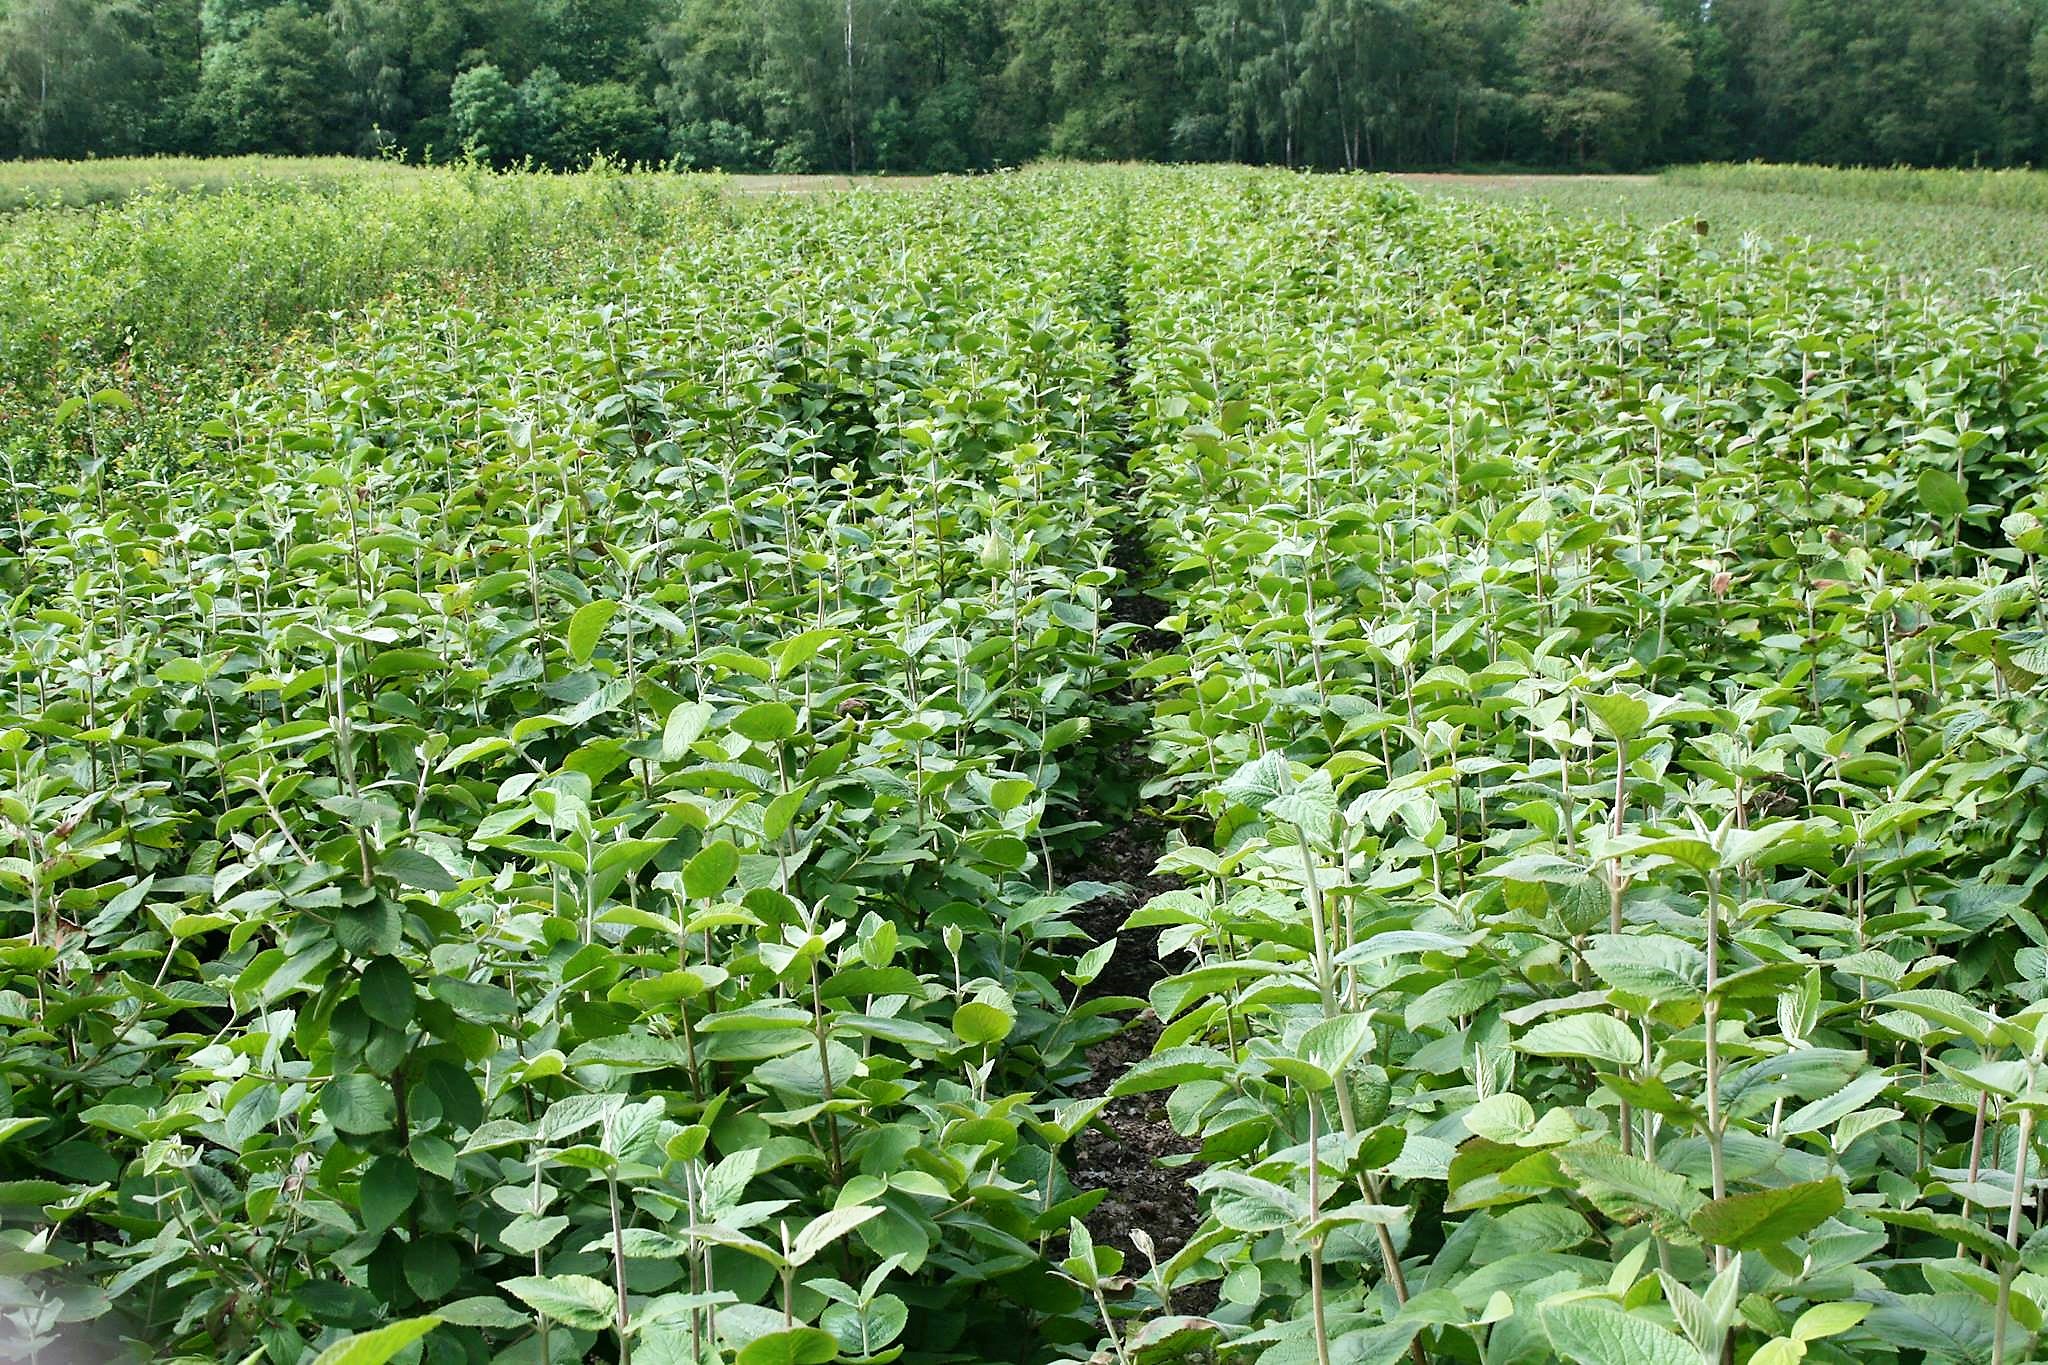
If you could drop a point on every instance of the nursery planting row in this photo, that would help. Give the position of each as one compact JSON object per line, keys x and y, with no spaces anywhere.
{"x":568,"y":828}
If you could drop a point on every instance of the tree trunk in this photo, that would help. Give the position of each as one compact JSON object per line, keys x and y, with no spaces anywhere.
{"x":852,"y":154}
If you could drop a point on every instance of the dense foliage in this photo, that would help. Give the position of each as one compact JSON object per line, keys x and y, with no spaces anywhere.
{"x":566,"y":825}
{"x":950,"y":85}
{"x":120,"y":330}
{"x":109,"y":180}
{"x":2018,"y":191}
{"x":1605,"y":721}
{"x":1952,"y":233}
{"x":585,"y":801}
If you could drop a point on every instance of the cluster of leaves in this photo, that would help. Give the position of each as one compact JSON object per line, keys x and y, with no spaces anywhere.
{"x":113,"y":179}
{"x":2024,"y":191}
{"x":135,"y":321}
{"x":546,"y":836}
{"x":1606,"y":725}
{"x":540,"y":844}
{"x":1978,"y":236}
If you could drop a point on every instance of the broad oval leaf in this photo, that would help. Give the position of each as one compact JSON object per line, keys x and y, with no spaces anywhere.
{"x":1768,"y":1218}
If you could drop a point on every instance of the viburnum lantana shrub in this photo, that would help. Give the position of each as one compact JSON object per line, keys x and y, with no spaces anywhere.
{"x":560,"y":828}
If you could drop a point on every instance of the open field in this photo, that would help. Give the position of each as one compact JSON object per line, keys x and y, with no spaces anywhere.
{"x":164,"y":302}
{"x":1120,"y":764}
{"x":1974,"y":234}
{"x":89,"y":184}
{"x":82,"y":184}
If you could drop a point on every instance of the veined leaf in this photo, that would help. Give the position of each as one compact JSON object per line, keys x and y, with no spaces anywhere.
{"x":1768,"y":1218}
{"x":586,"y":626}
{"x":379,"y":1345}
{"x":1591,"y":1332}
{"x":572,"y":1300}
{"x":1596,"y":1037}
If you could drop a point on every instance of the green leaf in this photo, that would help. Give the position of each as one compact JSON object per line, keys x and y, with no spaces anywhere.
{"x":1080,"y":1260}
{"x":1260,"y":782}
{"x":685,"y":723}
{"x":433,"y":1265}
{"x":599,"y":702}
{"x":586,"y":626}
{"x":1950,"y":1010}
{"x":527,"y":1234}
{"x":483,"y":1310}
{"x":31,"y":1194}
{"x":1619,"y":715}
{"x":573,"y":1114}
{"x":362,"y":812}
{"x":1245,"y":1203}
{"x":487,"y":747}
{"x":1941,"y":495}
{"x":1829,"y":1319}
{"x":1697,"y":854}
{"x":478,"y":1001}
{"x":766,"y":722}
{"x":801,"y":649}
{"x":794,"y":1346}
{"x":374,"y":928}
{"x":711,"y":870}
{"x":358,"y":1103}
{"x":1504,"y":1119}
{"x":1957,"y":1326}
{"x":1768,"y":1218}
{"x":411,"y":867}
{"x":377,"y":1346}
{"x":1092,"y":962}
{"x":1009,"y":793}
{"x":1174,"y":1066}
{"x":1820,"y":1113}
{"x":1311,"y":808}
{"x":1965,"y":1233}
{"x":828,"y":1228}
{"x":1597,"y":1037}
{"x":979,"y":1024}
{"x":389,"y":1186}
{"x":386,"y":992}
{"x":188,"y":672}
{"x":1531,"y":1228}
{"x":573,"y":1300}
{"x":1591,"y":1332}
{"x":1334,"y":1043}
{"x":631,"y":1052}
{"x":1622,"y":1185}
{"x":1657,"y":967}
{"x":15,"y":1127}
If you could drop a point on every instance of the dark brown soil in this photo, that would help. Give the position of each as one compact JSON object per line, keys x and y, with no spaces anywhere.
{"x":1120,"y":1152}
{"x":1123,"y":858}
{"x":1127,"y":553}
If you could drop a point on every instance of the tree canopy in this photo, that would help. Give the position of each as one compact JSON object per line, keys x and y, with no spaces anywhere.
{"x":952,"y":85}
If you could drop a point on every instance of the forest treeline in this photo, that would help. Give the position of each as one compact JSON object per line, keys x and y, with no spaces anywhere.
{"x":954,"y":85}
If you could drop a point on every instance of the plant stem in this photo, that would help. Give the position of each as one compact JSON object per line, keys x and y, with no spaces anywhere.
{"x":611,"y":1186}
{"x":1713,"y":1025}
{"x":1326,"y":985}
{"x":1315,"y":1241}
